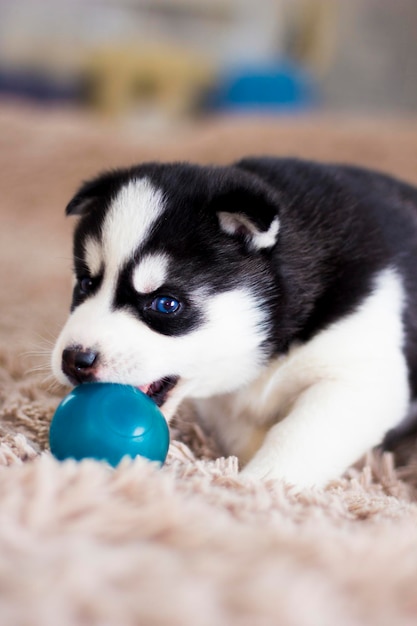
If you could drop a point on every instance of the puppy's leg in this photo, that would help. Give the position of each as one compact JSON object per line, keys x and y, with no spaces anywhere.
{"x":330,"y":426}
{"x":356,"y":390}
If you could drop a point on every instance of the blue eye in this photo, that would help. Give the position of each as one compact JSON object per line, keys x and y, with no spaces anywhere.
{"x":86,"y":285}
{"x":165,"y":304}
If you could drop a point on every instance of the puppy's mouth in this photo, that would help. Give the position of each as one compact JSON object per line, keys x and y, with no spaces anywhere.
{"x":158,"y":390}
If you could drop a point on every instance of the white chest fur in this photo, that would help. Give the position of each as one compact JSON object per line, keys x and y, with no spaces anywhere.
{"x":315,"y":411}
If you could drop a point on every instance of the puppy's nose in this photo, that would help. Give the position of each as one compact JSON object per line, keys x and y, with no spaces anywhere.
{"x":79,"y":365}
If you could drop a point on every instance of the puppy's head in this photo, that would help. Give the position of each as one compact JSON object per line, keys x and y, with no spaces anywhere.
{"x":173,"y":288}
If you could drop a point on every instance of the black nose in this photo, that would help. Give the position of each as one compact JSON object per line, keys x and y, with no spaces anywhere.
{"x":79,"y":365}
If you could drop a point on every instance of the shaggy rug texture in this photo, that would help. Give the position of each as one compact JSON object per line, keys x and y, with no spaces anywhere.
{"x":190,"y":544}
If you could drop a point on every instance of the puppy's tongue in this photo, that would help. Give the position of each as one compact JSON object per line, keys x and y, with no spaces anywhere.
{"x":144,"y":388}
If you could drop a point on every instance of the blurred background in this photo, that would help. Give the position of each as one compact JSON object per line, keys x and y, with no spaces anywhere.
{"x":162,"y":61}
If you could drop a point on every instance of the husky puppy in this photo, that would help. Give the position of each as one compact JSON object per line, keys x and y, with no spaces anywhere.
{"x":280,"y":295}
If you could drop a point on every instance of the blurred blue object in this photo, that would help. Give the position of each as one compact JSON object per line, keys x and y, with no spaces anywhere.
{"x":278,"y":87}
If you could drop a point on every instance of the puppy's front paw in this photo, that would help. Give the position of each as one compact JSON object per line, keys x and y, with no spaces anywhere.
{"x":298,"y":477}
{"x":257,"y":471}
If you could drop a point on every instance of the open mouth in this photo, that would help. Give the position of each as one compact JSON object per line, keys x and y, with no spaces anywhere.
{"x":159,"y":389}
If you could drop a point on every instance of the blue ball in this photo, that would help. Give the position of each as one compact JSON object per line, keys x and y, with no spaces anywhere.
{"x":107,"y":421}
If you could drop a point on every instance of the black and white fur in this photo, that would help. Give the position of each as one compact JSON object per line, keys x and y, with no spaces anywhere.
{"x":296,"y":284}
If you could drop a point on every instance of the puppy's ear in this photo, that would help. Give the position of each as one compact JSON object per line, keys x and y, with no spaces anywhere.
{"x":98,"y":190}
{"x":249,"y":211}
{"x":79,"y":205}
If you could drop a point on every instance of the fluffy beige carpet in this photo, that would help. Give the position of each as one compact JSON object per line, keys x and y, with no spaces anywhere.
{"x":188,"y":545}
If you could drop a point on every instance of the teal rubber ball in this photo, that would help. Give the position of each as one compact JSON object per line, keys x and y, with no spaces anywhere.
{"x":107,"y":421}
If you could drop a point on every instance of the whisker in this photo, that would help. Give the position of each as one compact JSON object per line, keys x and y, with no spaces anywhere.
{"x":34,"y":353}
{"x":44,"y":367}
{"x":53,"y":386}
{"x":36,"y":368}
{"x":48,"y":340}
{"x":41,"y":349}
{"x":37,"y":358}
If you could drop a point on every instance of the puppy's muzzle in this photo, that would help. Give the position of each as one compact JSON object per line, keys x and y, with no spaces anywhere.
{"x":79,"y":365}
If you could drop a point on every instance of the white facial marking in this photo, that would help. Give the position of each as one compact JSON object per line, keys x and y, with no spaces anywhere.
{"x":128,"y":222}
{"x":150,"y":273}
{"x":224,"y":351}
{"x":93,"y":255}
